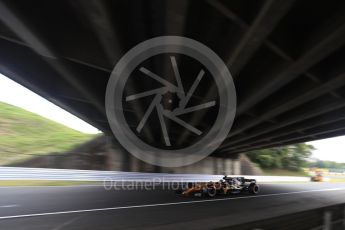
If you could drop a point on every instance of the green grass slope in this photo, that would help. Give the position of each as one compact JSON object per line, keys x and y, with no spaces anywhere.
{"x":24,"y":135}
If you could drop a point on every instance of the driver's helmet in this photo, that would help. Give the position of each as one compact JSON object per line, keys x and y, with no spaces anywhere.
{"x":236,"y":181}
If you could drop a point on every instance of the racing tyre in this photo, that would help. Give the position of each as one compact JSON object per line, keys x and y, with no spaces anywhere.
{"x":253,"y":188}
{"x":211,"y":192}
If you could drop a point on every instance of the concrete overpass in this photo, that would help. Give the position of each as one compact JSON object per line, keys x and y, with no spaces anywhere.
{"x":286,"y":58}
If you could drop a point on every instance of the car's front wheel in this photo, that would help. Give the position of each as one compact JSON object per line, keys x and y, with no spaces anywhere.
{"x":253,"y":188}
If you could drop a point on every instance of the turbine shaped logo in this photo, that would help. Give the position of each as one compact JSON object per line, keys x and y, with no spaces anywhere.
{"x":159,"y":95}
{"x":190,"y":108}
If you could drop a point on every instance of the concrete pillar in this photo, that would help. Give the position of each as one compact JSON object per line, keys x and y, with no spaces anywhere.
{"x":135,"y":165}
{"x":228,"y":163}
{"x":118,"y":158}
{"x":215,"y":165}
{"x":236,"y":167}
{"x":223,"y":167}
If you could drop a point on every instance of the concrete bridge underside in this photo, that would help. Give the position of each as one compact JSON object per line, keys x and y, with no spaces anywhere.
{"x":286,"y":57}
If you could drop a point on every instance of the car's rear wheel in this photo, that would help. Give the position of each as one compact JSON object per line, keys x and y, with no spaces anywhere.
{"x":253,"y":188}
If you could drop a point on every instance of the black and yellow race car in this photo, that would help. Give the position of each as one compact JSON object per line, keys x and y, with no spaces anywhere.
{"x":225,"y":186}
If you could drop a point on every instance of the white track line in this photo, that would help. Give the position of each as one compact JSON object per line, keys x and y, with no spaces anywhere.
{"x":164,"y":204}
{"x":51,"y":186}
{"x":9,"y":206}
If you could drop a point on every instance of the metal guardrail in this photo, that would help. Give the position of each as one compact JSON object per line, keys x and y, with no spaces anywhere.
{"x":18,"y":173}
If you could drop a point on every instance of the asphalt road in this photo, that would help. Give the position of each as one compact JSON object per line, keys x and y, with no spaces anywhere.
{"x":93,"y":207}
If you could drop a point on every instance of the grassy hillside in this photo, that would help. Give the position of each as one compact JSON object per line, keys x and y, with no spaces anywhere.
{"x":24,"y":135}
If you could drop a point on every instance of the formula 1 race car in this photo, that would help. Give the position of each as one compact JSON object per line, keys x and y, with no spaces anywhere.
{"x":228,"y":185}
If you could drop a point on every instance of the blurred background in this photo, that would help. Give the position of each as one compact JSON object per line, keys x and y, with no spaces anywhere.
{"x":37,"y":133}
{"x":286,"y":59}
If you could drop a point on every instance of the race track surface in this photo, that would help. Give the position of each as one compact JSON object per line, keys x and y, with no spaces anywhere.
{"x":93,"y":207}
